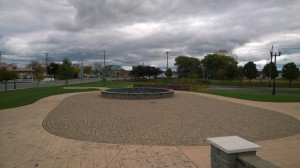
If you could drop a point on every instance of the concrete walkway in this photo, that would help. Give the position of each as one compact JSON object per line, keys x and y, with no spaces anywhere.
{"x":24,"y":143}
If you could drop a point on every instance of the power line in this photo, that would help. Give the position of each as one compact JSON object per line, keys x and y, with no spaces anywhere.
{"x":56,"y":56}
{"x":139,"y":51}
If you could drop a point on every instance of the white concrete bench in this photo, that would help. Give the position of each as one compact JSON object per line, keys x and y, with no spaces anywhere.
{"x":235,"y":152}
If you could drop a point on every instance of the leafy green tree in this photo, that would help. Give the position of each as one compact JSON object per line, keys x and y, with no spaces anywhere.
{"x":138,"y":71}
{"x":6,"y":75}
{"x":87,"y":69}
{"x":221,"y":74}
{"x":240,"y":73}
{"x":142,"y":71}
{"x":274,"y":72}
{"x":65,"y":70}
{"x":231,"y":71}
{"x":155,"y":71}
{"x":39,"y":71}
{"x":290,"y":71}
{"x":52,"y":69}
{"x":76,"y":71}
{"x":214,"y":62}
{"x":250,"y":70}
{"x":148,"y":70}
{"x":187,"y":66}
{"x":226,"y":53}
{"x":169,"y":73}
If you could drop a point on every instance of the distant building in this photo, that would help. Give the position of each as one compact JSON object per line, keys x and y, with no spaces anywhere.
{"x":23,"y":73}
{"x":7,"y":66}
{"x":116,"y":71}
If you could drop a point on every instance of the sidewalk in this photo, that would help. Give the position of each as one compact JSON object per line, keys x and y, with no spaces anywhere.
{"x":24,"y":143}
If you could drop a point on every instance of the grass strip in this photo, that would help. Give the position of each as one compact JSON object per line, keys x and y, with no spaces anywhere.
{"x":16,"y":98}
{"x":255,"y":96}
{"x":21,"y":97}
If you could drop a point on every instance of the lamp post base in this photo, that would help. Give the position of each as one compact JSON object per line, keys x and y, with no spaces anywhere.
{"x":274,"y":92}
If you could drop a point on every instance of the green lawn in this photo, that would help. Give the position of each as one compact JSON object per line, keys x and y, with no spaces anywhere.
{"x":16,"y":98}
{"x":109,"y":84}
{"x":255,"y":96}
{"x":21,"y":97}
{"x":235,"y":82}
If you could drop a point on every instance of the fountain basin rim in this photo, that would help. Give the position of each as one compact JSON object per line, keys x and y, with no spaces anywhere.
{"x":120,"y":93}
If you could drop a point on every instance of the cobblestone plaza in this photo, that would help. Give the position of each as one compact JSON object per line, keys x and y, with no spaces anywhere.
{"x":185,"y":119}
{"x":132,"y":133}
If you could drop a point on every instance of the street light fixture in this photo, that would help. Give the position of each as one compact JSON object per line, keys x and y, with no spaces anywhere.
{"x":275,"y":54}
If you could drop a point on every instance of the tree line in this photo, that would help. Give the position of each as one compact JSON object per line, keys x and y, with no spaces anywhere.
{"x":142,"y":71}
{"x":64,"y":71}
{"x":222,"y":65}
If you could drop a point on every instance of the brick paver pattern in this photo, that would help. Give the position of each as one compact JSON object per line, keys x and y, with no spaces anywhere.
{"x":182,"y":120}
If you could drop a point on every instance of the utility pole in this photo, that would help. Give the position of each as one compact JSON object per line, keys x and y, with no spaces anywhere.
{"x":104,"y":56}
{"x":100,"y":68}
{"x":46,"y":58}
{"x":0,"y":57}
{"x":81,"y":69}
{"x":167,"y":59}
{"x":104,"y":68}
{"x":272,"y":53}
{"x":46,"y":62}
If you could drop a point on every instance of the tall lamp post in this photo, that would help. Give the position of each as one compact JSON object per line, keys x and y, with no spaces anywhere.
{"x":275,"y":54}
{"x":270,"y":74}
{"x":51,"y":72}
{"x":14,"y":67}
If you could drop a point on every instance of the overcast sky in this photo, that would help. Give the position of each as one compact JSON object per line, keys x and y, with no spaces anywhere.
{"x":141,"y":31}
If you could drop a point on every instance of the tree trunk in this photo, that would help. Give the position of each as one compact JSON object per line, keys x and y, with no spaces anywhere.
{"x":66,"y":81}
{"x":261,"y":81}
{"x":290,"y":83}
{"x":5,"y":85}
{"x":249,"y":81}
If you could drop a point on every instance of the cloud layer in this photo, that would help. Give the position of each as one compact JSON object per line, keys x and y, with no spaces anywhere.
{"x":134,"y":32}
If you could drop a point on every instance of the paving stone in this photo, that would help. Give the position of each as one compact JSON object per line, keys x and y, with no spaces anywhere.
{"x":185,"y":119}
{"x":24,"y":142}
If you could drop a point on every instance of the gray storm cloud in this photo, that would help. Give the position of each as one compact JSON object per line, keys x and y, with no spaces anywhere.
{"x":135,"y":32}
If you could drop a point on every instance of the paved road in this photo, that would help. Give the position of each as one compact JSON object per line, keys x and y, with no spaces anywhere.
{"x":22,"y":84}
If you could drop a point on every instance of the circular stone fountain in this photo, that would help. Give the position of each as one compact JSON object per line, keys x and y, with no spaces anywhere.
{"x":137,"y":93}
